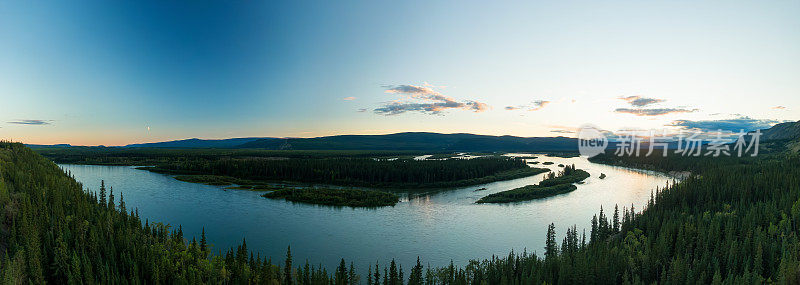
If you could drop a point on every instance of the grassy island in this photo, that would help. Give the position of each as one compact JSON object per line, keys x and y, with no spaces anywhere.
{"x":550,"y":186}
{"x":335,"y":197}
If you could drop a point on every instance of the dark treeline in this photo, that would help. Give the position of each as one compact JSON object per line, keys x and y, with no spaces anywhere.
{"x":360,"y":171}
{"x":154,"y":156}
{"x":670,"y":163}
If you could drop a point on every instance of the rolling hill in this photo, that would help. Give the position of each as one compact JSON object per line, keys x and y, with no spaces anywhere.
{"x":420,"y":141}
{"x":199,"y":143}
{"x":782,"y":131}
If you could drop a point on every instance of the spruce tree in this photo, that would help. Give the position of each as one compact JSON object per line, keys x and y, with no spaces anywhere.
{"x":287,"y":268}
{"x":203,"y":244}
{"x":103,"y":192}
{"x":392,"y":273}
{"x":415,"y":277}
{"x":551,"y":248}
{"x":616,"y":219}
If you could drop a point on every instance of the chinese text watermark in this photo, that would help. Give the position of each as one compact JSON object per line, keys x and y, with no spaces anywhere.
{"x":593,"y":141}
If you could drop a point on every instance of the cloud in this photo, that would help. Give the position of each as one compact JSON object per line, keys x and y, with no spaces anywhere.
{"x":351,"y":98}
{"x":31,"y":122}
{"x":730,"y":125}
{"x":534,"y":106}
{"x":562,"y":131}
{"x":538,"y":105}
{"x":654,"y":112}
{"x":779,"y":107}
{"x":477,"y":106}
{"x":638,"y":101}
{"x":409,"y":89}
{"x":425,"y":99}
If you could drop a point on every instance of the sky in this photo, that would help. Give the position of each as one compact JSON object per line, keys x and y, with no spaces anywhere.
{"x":121,"y":72}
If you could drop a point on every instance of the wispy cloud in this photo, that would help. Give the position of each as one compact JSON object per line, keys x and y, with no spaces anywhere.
{"x":779,"y":107}
{"x":729,"y":125}
{"x":654,"y":112}
{"x":638,"y":101}
{"x":562,"y":131}
{"x":409,"y":89}
{"x":424,"y":99}
{"x":534,"y":106}
{"x":351,"y":98}
{"x":31,"y":122}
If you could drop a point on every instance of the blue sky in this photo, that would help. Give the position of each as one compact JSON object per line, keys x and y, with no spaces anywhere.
{"x":113,"y":73}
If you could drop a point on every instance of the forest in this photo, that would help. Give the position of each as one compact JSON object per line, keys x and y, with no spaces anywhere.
{"x":552,"y":184}
{"x":335,"y":197}
{"x":153,"y":156}
{"x":732,"y":221}
{"x":364,"y":172}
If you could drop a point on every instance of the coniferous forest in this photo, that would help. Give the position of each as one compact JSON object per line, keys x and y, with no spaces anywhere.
{"x":369,"y":172}
{"x":732,"y":221}
{"x":385,"y":169}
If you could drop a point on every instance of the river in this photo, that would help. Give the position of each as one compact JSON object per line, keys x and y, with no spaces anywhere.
{"x":438,"y":227}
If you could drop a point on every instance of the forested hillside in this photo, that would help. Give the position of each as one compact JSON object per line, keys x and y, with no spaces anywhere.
{"x":782,"y":131}
{"x":52,"y":231}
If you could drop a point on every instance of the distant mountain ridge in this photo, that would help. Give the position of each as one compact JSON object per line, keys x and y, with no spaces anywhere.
{"x":422,"y":141}
{"x":199,"y":143}
{"x":782,"y":131}
{"x":410,"y":141}
{"x":417,"y":141}
{"x":787,"y":135}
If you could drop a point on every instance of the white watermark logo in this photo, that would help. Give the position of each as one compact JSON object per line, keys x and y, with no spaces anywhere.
{"x":591,"y":141}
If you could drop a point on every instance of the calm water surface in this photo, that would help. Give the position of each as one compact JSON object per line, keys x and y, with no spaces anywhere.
{"x":438,"y":227}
